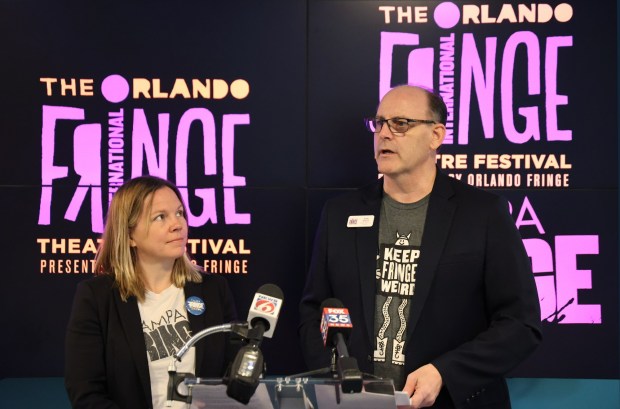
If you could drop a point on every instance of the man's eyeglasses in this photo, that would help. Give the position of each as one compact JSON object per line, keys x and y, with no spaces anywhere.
{"x":398,"y":126}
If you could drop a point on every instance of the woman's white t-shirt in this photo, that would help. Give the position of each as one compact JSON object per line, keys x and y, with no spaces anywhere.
{"x":166,"y":330}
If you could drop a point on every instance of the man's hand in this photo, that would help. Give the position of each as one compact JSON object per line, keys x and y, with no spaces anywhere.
{"x":424,"y":384}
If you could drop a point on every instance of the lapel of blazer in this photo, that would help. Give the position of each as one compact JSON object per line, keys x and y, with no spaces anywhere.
{"x":367,"y":241}
{"x":197,"y":322}
{"x":129,"y":316}
{"x":438,"y":221}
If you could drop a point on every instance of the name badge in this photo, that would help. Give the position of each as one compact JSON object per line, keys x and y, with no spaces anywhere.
{"x":361,"y":221}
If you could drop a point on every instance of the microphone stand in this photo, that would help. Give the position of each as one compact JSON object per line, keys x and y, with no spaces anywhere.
{"x":334,"y":369}
{"x":175,"y":379}
{"x":345,"y":367}
{"x":247,"y":368}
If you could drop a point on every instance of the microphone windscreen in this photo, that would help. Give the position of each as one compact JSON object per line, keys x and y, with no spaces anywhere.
{"x":332,"y":303}
{"x":266,"y":307}
{"x":271,"y":290}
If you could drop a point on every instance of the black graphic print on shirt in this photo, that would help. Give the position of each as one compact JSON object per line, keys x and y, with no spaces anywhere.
{"x":395,"y":275}
{"x":166,"y":336}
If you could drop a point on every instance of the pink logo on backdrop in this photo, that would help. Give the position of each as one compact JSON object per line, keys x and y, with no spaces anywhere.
{"x":559,"y":293}
{"x":115,"y":88}
{"x":447,"y":15}
{"x":475,"y":75}
{"x":558,"y":277}
{"x":86,"y":142}
{"x":100,"y":152}
{"x":480,"y":79}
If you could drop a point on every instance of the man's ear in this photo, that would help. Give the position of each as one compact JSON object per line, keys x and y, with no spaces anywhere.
{"x":439,"y":133}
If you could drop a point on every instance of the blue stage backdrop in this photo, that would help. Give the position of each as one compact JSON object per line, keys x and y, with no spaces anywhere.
{"x":254,"y":109}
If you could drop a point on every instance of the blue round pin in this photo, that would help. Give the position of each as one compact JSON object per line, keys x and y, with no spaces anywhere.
{"x":195,"y":305}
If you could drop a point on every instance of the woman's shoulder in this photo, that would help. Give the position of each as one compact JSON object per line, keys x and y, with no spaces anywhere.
{"x":212,"y":286}
{"x":210,"y":279}
{"x":98,"y":283}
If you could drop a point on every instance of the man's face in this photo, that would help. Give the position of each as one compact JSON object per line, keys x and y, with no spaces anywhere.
{"x":402,"y":155}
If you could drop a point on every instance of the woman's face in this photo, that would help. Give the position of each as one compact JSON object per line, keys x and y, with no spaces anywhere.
{"x":160,"y":236}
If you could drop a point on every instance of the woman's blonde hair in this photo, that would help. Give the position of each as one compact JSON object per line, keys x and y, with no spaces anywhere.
{"x":116,"y":257}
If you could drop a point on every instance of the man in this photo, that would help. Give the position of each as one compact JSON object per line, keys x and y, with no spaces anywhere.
{"x":433,"y":271}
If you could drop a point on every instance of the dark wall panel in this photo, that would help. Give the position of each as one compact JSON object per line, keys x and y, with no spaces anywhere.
{"x":255,"y":110}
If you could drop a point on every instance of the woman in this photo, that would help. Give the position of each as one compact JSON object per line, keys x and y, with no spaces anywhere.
{"x":146,"y":303}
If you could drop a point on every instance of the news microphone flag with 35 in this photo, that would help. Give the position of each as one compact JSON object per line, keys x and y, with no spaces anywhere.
{"x":338,"y":319}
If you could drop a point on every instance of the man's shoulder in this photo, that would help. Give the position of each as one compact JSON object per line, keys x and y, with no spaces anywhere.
{"x":366,"y":195}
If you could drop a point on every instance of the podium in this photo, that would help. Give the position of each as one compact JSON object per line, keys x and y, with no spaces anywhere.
{"x":297,"y":393}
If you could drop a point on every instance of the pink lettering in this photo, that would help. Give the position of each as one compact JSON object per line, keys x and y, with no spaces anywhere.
{"x":205,"y":117}
{"x":230,"y":213}
{"x":388,"y":42}
{"x":420,"y":67}
{"x":551,"y":86}
{"x":542,"y":262}
{"x":471,"y":70}
{"x":532,"y":129}
{"x":49,"y":171}
{"x":157,"y":164}
{"x":87,"y":163}
{"x":142,"y":141}
{"x":228,"y":148}
{"x":570,"y":278}
{"x":558,"y":294}
{"x":87,"y":154}
{"x":209,"y":209}
{"x":230,"y":179}
{"x":526,"y":207}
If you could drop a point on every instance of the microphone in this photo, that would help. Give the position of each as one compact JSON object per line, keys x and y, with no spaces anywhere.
{"x":248,"y":365}
{"x":265,"y":310}
{"x":336,"y":326}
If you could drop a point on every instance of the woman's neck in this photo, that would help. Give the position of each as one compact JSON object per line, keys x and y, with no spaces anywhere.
{"x":156,"y":278}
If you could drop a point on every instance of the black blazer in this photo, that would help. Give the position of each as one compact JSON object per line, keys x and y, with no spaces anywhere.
{"x":475,"y":314}
{"x":105,"y":354}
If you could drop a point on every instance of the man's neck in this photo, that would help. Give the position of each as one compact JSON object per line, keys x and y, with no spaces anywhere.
{"x":408,"y":188}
